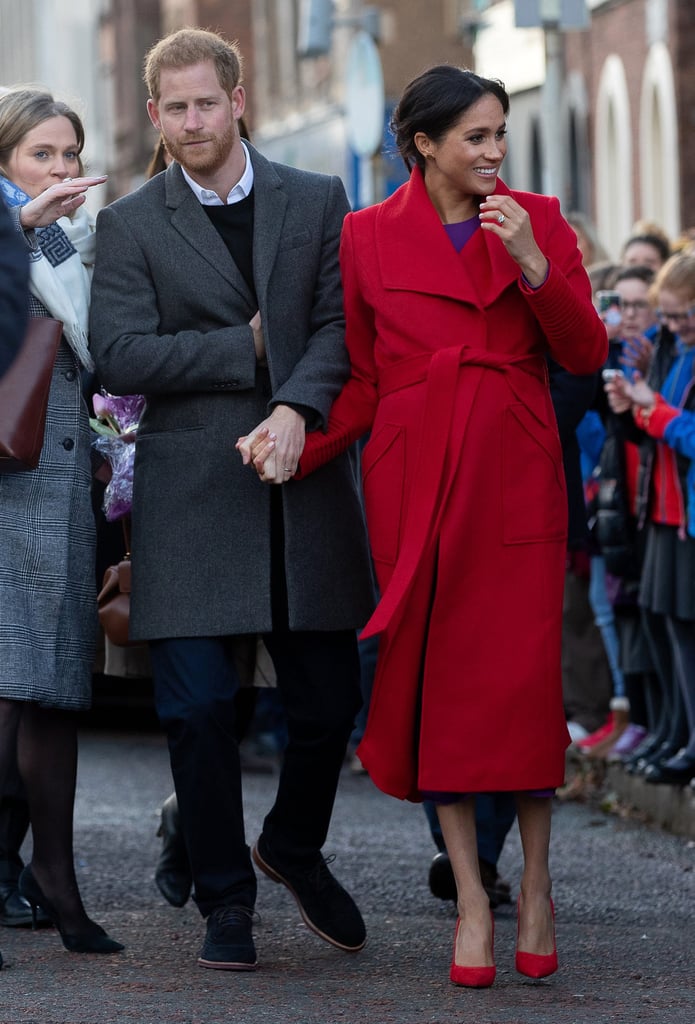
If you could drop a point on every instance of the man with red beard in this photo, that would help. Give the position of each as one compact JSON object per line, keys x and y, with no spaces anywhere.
{"x":217,"y":294}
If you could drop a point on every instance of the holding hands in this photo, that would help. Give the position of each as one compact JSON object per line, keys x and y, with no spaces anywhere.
{"x":274,"y":447}
{"x":59,"y":200}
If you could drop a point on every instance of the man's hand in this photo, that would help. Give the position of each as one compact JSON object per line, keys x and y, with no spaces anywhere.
{"x":274,"y":447}
{"x":258,"y":339}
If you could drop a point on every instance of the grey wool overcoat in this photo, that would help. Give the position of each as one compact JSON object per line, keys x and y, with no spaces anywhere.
{"x":170,"y":314}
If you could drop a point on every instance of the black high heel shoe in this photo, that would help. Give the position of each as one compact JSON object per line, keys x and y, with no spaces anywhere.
{"x":94,"y":941}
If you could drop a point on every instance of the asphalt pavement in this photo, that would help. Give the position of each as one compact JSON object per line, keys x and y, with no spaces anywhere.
{"x":624,"y":896}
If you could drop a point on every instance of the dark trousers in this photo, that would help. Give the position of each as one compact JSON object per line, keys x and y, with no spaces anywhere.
{"x":195,"y":681}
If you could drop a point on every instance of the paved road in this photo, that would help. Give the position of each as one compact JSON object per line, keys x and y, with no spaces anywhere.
{"x":624,"y":894}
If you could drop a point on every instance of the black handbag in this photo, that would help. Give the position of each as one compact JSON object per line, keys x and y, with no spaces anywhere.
{"x":24,"y":391}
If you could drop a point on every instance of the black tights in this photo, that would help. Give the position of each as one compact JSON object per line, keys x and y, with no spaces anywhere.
{"x":45,"y":740}
{"x":682,"y":636}
{"x":671,"y":727}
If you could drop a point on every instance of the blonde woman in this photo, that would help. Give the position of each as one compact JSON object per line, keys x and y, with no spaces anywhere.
{"x":47,"y":587}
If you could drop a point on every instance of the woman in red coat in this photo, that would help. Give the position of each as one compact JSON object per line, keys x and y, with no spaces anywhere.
{"x":456,"y":288}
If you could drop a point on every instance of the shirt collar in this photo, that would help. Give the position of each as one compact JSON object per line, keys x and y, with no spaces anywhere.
{"x":242,"y":189}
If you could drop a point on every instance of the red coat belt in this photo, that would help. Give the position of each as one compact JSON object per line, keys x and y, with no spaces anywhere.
{"x":440,"y":373}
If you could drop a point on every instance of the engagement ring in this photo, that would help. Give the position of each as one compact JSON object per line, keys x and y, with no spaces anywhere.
{"x":501,"y":219}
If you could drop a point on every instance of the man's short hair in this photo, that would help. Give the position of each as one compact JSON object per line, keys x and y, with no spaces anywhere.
{"x":191,"y":46}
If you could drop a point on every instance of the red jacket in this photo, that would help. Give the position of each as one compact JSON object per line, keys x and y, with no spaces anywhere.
{"x":464,"y":489}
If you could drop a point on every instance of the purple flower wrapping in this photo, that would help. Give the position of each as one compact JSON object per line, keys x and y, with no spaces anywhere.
{"x":125,"y":410}
{"x":116,"y":422}
{"x":120,"y":453}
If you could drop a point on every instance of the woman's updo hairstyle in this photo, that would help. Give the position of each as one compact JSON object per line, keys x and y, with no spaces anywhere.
{"x":434,"y":102}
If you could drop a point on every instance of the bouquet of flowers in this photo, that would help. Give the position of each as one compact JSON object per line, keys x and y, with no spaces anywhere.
{"x":115,"y":423}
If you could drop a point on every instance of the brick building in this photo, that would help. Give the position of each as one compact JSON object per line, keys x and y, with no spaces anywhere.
{"x":295,"y":109}
{"x":622,"y":116}
{"x":619,"y":120}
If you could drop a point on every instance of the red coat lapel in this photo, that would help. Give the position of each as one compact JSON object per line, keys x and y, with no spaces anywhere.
{"x":415,"y":253}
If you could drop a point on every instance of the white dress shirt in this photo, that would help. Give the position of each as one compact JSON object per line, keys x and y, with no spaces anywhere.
{"x":206,"y":197}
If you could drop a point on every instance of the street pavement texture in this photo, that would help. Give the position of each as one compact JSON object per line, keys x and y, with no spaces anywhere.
{"x":624,"y":896}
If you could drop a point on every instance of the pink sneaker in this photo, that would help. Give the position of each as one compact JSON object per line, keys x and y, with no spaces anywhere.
{"x":630,"y":739}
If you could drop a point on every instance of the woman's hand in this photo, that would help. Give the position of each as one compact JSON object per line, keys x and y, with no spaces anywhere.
{"x":624,"y":394}
{"x":502,"y":216}
{"x":640,"y":393}
{"x":616,"y":391}
{"x":60,"y":200}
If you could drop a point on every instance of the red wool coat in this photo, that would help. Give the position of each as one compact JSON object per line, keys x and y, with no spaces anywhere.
{"x":464,"y":489}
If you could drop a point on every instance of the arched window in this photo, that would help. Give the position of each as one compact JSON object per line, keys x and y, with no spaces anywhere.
{"x":659,"y":161}
{"x":536,"y":156}
{"x":613,"y":171}
{"x":577,"y":171}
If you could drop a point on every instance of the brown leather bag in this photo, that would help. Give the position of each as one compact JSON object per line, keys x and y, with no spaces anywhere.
{"x":24,"y":395}
{"x":113,"y":600}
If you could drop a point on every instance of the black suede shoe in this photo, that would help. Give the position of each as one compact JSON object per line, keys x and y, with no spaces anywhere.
{"x":498,"y":891}
{"x":15,"y":911}
{"x":325,"y":906}
{"x":443,"y":885}
{"x":441,"y":878}
{"x":173,"y":872}
{"x":228,"y":942}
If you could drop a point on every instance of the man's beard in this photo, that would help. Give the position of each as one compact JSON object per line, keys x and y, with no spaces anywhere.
{"x":205,"y":161}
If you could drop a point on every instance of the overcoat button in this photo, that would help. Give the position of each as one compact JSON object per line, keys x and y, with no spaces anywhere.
{"x":70,"y":374}
{"x":68,"y":444}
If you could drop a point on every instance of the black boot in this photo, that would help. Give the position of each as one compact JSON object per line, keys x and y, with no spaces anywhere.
{"x":443,"y":885}
{"x":15,"y":912}
{"x":173,"y":874}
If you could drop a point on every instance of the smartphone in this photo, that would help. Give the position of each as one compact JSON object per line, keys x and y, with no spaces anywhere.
{"x":609,"y":374}
{"x":609,"y":306}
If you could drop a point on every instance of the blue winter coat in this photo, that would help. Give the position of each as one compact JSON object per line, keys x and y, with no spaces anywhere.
{"x":680,"y":435}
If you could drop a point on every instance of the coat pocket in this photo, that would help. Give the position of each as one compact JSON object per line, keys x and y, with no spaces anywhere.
{"x":295,"y":241}
{"x":383,"y":471}
{"x":533,"y":480}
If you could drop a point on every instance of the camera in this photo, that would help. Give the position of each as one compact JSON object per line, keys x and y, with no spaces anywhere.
{"x":609,"y":306}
